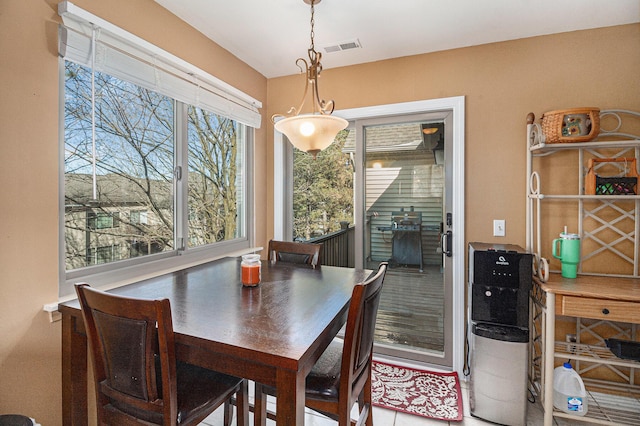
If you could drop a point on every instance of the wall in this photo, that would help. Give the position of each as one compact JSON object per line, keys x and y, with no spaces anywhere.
{"x":30,"y":362}
{"x":502,"y":82}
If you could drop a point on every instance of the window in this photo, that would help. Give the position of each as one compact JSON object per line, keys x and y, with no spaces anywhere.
{"x":99,"y":255}
{"x":215,"y":178}
{"x":129,"y":164}
{"x":102,"y":220}
{"x":154,"y":165}
{"x":138,"y":217}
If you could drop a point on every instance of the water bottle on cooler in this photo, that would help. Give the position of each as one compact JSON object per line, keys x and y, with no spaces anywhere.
{"x":569,"y":393}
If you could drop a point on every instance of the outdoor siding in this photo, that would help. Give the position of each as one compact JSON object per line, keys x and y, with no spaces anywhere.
{"x":416,"y":184}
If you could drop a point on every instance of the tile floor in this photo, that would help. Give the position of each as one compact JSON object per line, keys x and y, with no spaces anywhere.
{"x":382,"y":417}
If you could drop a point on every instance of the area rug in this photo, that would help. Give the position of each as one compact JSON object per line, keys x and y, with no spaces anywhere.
{"x":423,"y":393}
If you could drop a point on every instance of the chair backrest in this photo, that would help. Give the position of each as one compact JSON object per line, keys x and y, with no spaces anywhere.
{"x":133,"y":352}
{"x":293,"y":252}
{"x":359,"y":333}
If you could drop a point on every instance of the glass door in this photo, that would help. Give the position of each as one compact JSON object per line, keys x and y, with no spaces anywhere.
{"x":405,"y":197}
{"x":384,"y":162}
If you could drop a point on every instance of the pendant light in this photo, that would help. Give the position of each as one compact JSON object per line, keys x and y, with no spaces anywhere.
{"x":314,"y":131}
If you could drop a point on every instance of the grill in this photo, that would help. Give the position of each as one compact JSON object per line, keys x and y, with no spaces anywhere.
{"x":406,"y":243}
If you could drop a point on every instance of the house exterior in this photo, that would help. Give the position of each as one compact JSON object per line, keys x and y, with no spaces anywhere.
{"x":123,"y":227}
{"x":402,"y":174}
{"x":501,"y":82}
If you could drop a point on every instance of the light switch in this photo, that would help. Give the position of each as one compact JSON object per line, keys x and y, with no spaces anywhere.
{"x":499,"y":228}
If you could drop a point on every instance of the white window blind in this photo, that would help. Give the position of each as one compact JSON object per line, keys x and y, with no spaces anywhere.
{"x":91,"y":41}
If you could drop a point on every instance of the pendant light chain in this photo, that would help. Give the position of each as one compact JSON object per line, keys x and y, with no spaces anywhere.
{"x":312,"y":47}
{"x":314,"y":131}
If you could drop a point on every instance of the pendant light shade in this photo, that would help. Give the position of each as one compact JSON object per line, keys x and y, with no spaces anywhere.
{"x":311,"y":132}
{"x":315,"y":131}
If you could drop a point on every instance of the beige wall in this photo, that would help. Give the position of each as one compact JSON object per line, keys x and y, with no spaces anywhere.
{"x":502,"y":83}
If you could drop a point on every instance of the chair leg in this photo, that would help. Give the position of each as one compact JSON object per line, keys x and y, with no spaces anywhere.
{"x":259,"y":407}
{"x":361,"y":408}
{"x":242,"y":404}
{"x":344,"y":416}
{"x":368,"y":399}
{"x":228,"y":413}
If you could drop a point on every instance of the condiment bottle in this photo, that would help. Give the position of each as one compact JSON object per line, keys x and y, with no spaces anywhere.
{"x":251,"y":270}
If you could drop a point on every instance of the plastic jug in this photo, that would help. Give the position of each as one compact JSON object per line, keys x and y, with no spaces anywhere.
{"x":569,"y":393}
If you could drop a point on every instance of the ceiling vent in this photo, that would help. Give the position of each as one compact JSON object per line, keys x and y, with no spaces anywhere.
{"x":343,"y":45}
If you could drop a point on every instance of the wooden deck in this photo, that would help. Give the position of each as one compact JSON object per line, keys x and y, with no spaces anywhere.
{"x":412,"y":308}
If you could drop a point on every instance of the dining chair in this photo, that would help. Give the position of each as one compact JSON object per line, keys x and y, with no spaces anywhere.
{"x":342,"y":375}
{"x":294,"y":252}
{"x":137,"y":378}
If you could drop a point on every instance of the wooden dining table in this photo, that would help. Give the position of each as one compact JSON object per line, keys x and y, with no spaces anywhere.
{"x":271,"y":334}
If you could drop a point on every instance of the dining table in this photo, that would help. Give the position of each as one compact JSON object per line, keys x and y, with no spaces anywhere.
{"x":272,"y":333}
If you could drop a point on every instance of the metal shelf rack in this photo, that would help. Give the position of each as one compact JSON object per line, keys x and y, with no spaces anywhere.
{"x":616,"y":400}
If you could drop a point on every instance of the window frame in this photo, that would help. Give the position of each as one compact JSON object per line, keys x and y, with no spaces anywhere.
{"x":138,"y":268}
{"x":134,"y":269}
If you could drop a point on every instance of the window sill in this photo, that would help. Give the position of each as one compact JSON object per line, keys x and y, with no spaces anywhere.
{"x":52,"y":308}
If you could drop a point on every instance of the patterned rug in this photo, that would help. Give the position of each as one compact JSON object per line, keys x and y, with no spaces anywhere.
{"x":423,"y":393}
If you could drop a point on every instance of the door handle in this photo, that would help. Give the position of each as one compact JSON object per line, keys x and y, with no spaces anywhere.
{"x":447,"y":243}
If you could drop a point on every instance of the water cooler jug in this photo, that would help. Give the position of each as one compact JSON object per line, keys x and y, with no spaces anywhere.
{"x":499,"y":286}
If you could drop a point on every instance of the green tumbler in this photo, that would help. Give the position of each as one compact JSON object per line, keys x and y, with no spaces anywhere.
{"x":567,"y":249}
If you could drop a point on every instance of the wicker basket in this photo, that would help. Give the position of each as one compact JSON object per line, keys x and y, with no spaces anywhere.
{"x":615,"y":185}
{"x":557,"y":129}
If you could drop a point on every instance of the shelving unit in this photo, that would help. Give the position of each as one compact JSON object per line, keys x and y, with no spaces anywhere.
{"x":586,"y":299}
{"x":602,"y":304}
{"x":622,"y":225}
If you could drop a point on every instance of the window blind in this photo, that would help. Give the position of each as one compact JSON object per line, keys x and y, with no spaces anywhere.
{"x":85,"y":39}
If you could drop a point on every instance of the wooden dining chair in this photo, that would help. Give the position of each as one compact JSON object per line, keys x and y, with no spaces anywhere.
{"x":137,"y":378}
{"x":294,"y":252}
{"x":342,"y":375}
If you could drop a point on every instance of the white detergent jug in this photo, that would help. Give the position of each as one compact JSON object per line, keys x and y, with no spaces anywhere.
{"x":569,"y":393}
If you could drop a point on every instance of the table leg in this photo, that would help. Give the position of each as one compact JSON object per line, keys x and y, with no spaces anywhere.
{"x":74,"y":371}
{"x":549,"y":356}
{"x":290,"y":390}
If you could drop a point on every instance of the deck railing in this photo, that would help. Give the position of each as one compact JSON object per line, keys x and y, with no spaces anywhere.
{"x":337,"y":247}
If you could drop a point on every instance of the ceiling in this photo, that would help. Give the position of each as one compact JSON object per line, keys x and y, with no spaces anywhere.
{"x":270,"y":35}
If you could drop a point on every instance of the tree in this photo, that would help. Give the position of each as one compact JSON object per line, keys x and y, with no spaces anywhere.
{"x":129,"y":173}
{"x":322,"y":190}
{"x":213,"y":163}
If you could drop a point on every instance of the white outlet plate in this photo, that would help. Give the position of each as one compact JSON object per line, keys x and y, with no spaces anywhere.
{"x":499,"y":228}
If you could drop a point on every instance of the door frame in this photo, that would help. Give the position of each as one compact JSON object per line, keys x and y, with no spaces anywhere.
{"x":456,"y":105}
